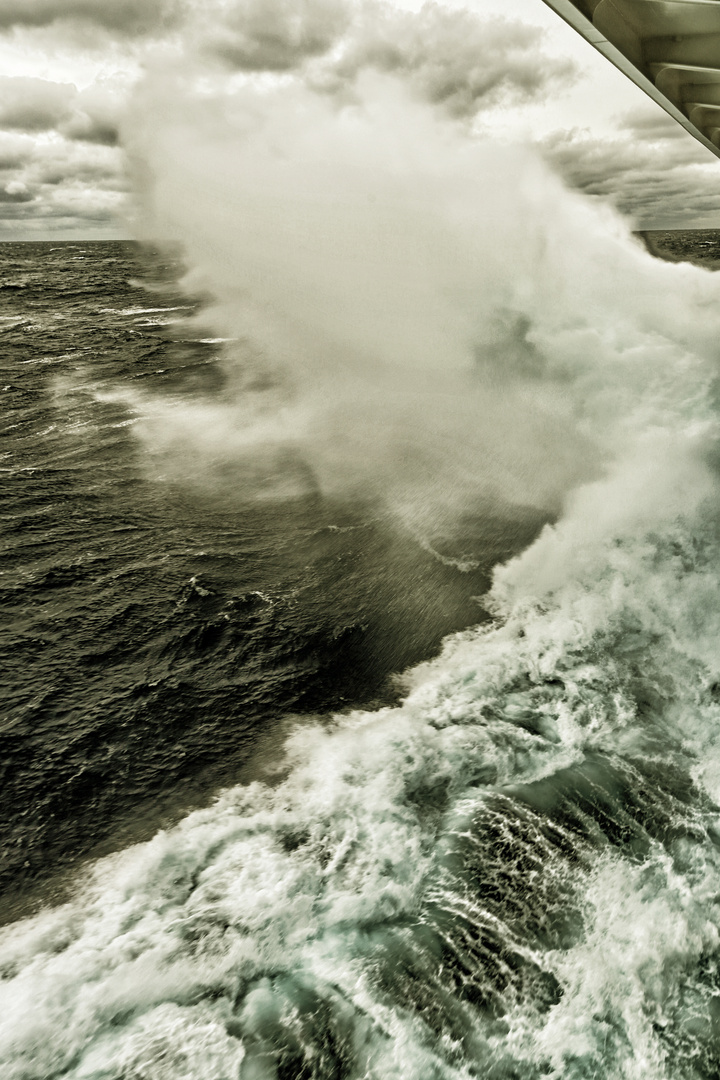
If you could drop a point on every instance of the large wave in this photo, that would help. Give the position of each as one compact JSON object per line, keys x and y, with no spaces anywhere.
{"x":515,"y":872}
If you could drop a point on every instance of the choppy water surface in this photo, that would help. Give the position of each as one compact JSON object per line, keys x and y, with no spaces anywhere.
{"x":514,"y":871}
{"x":152,"y":634}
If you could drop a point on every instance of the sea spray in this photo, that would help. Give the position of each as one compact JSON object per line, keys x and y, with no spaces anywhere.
{"x":513,"y":873}
{"x":368,"y":257}
{"x":412,"y":312}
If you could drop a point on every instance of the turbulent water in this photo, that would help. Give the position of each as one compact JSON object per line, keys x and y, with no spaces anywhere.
{"x":152,"y":635}
{"x":508,"y":864}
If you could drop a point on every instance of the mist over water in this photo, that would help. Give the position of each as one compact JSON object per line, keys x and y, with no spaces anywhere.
{"x":515,"y":871}
{"x":369,"y":262}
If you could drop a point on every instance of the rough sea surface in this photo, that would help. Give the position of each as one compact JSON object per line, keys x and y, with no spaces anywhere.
{"x":506,"y":865}
{"x":151,"y":636}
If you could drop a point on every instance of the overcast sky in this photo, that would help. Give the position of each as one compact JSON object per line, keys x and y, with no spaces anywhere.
{"x":74,"y":72}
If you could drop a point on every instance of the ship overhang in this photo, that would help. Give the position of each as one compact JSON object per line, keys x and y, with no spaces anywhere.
{"x":669,"y":48}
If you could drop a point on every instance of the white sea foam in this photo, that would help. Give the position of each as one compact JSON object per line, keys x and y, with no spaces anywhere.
{"x":143,"y":310}
{"x":138,"y":976}
{"x":196,"y":953}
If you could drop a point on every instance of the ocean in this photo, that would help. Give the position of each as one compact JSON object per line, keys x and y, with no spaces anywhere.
{"x":298,"y":785}
{"x":155,"y":636}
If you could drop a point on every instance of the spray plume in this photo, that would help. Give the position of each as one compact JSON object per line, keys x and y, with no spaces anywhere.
{"x":320,"y":169}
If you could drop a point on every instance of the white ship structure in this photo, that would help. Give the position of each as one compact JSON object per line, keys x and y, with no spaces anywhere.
{"x":670,"y":48}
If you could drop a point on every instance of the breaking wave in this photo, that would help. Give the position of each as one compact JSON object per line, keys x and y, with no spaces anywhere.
{"x":514,"y":873}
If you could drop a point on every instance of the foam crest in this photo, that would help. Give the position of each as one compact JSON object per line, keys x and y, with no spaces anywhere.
{"x":498,"y":871}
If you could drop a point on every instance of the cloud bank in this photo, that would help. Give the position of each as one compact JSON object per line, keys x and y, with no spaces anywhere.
{"x":34,"y":105}
{"x":465,"y":64}
{"x":450,"y":57}
{"x":273,"y":35}
{"x":60,"y":164}
{"x":651,"y":171}
{"x":131,"y":18}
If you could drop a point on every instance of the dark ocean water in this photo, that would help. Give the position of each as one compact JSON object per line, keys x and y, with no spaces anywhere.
{"x":152,"y":637}
{"x":505,"y":866}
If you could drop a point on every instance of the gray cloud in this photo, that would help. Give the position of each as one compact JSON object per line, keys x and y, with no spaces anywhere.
{"x":651,"y":125}
{"x":95,"y":115}
{"x":77,"y":183}
{"x":35,"y":105}
{"x":126,"y":17}
{"x":655,"y":176}
{"x":15,"y":195}
{"x":276,"y":35}
{"x":453,"y":58}
{"x":15,"y":149}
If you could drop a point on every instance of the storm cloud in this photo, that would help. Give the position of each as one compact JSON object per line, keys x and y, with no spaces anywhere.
{"x":125,"y":17}
{"x":656,"y":174}
{"x":59,"y":160}
{"x":274,"y":35}
{"x":207,"y":59}
{"x":35,"y":105}
{"x":453,"y":58}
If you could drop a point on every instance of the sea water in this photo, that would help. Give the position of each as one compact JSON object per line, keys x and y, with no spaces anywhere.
{"x":155,"y":633}
{"x":505,"y":863}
